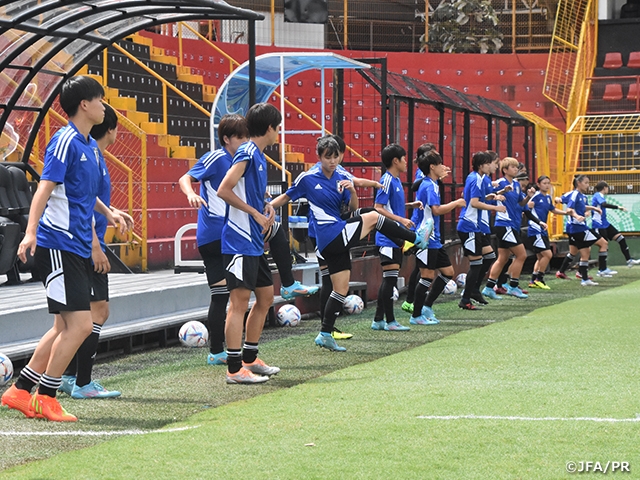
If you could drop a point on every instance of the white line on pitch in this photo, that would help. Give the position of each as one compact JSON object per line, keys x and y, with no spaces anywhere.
{"x":92,"y":434}
{"x":530,"y":419}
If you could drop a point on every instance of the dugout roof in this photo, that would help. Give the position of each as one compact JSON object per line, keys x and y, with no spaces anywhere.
{"x":44,"y":42}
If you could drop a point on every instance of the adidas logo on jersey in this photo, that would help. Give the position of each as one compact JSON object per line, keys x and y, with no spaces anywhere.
{"x":260,"y":168}
{"x":318,"y":187}
{"x":83,"y":158}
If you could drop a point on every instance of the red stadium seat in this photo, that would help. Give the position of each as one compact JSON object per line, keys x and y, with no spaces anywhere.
{"x":613,"y":60}
{"x":633,"y":92}
{"x":634,"y":60}
{"x":612,"y":92}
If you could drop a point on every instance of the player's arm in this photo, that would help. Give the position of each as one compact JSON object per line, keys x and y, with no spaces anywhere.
{"x":439,"y":210}
{"x":613,"y":207}
{"x":38,"y":204}
{"x":100,"y":261}
{"x":112,"y":218}
{"x":364,"y":183}
{"x":594,"y":209}
{"x":353,"y":200}
{"x":530,"y":193}
{"x":476,"y":203}
{"x":195,"y":200}
{"x":280,"y":201}
{"x":405,"y":222}
{"x":128,"y":219}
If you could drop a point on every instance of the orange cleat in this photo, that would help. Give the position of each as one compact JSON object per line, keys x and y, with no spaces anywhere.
{"x":48,"y":407}
{"x":19,"y":400}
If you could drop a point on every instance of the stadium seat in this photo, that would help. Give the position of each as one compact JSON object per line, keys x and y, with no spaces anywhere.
{"x":612,"y":92}
{"x":633,"y":92}
{"x":634,"y":60}
{"x":8,"y":203}
{"x":10,"y":237}
{"x":612,"y":60}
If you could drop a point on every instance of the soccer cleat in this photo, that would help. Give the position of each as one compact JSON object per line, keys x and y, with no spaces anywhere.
{"x":48,"y":407}
{"x":68,"y":382}
{"x":631,"y":262}
{"x":260,"y":368}
{"x":378,"y":325}
{"x":297,"y":290}
{"x":561,"y":275}
{"x":579,"y":277}
{"x":338,"y":335}
{"x":244,"y":376}
{"x":610,"y":272}
{"x":18,"y":400}
{"x":93,"y":390}
{"x":516,"y":292}
{"x":588,"y":283}
{"x":409,"y":248}
{"x":507,"y":287}
{"x":423,"y":233}
{"x":395,"y":327}
{"x":407,"y":307}
{"x":325,"y":340}
{"x":489,"y":292}
{"x":422,"y":320}
{"x":603,"y":274}
{"x":500,"y":290}
{"x":477,"y":296}
{"x":217,"y":358}
{"x":541,"y":285}
{"x":467,"y":305}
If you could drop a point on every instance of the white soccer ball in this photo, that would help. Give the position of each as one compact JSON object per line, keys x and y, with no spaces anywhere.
{"x":193,"y":334}
{"x":353,"y":305}
{"x":461,"y":280}
{"x":6,"y":369}
{"x":289,"y":316}
{"x":396,"y":294}
{"x":451,"y":287}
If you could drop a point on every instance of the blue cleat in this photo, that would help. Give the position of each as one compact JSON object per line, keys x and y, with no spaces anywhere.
{"x":516,"y":292}
{"x":68,"y":382}
{"x":93,"y":390}
{"x":423,"y":233}
{"x":395,"y":327}
{"x":422,"y":320}
{"x":297,"y":290}
{"x":217,"y":358}
{"x":325,"y":340}
{"x":428,"y":312}
{"x":490,"y":293}
{"x":378,"y":325}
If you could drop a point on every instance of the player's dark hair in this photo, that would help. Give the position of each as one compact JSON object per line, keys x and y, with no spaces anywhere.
{"x":327,"y":147}
{"x":425,"y":161}
{"x":341,"y":145}
{"x":77,"y":89}
{"x":262,"y":116}
{"x":479,"y":159}
{"x":579,"y":179}
{"x":232,"y":125}
{"x":494,"y":155}
{"x":390,"y":152}
{"x":601,"y":186}
{"x":109,"y":123}
{"x":424,"y":148}
{"x":542,"y":178}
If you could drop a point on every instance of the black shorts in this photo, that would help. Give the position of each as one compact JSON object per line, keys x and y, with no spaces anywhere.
{"x":99,"y":287}
{"x":472,"y":243}
{"x":540,"y":243}
{"x":336,"y":254}
{"x":584,"y":239}
{"x":211,"y":254}
{"x":67,"y":279}
{"x":390,"y":256}
{"x":244,"y":271}
{"x":608,"y":233}
{"x":508,"y":237}
{"x":433,"y":258}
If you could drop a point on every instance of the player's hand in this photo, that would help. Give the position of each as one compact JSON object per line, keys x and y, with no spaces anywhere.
{"x":500,"y":198}
{"x":407,"y":223}
{"x":100,"y":261}
{"x":597,"y":209}
{"x":544,"y":226}
{"x":501,"y":209}
{"x":531,"y":192}
{"x":28,"y":244}
{"x":270,"y":213}
{"x":531,"y":205}
{"x":508,"y":188}
{"x":417,"y":204}
{"x":119,"y":222}
{"x":195,"y":200}
{"x":128,"y":219}
{"x":263,"y":221}
{"x":461,"y":202}
{"x":557,"y":200}
{"x":579,"y":218}
{"x":347,"y":184}
{"x":379,"y":185}
{"x":495,"y":183}
{"x":490,"y":196}
{"x":622,"y":209}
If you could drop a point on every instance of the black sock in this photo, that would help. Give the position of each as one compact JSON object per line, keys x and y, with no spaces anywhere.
{"x":86,"y":355}
{"x":413,"y":282}
{"x":216,"y":318}
{"x":503,"y":278}
{"x":436,"y":289}
{"x":331,"y":311}
{"x":379,"y":315}
{"x":49,"y":385}
{"x":28,"y":379}
{"x":472,"y":278}
{"x":541,"y":277}
{"x":487,"y":260}
{"x":281,"y":254}
{"x":420,"y":296}
{"x":392,"y":229}
{"x":234,"y":360}
{"x":72,"y":368}
{"x":389,"y":281}
{"x":602,"y":261}
{"x":325,"y":291}
{"x":534,"y":277}
{"x":514,"y":282}
{"x":249,"y":352}
{"x":624,"y":248}
{"x":583,"y":268}
{"x":491,"y":283}
{"x":566,"y":262}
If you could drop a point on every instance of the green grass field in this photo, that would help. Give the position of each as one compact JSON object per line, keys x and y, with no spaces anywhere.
{"x":522,"y":381}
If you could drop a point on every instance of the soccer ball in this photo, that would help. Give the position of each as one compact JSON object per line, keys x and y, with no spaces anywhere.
{"x":396,"y":294}
{"x":461,"y":280}
{"x":193,"y":334}
{"x":353,"y":305}
{"x":451,"y":287}
{"x":6,"y":369}
{"x":289,"y":316}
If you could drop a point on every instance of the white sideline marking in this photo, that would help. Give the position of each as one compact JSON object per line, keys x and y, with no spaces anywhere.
{"x":92,"y":434}
{"x":530,"y":419}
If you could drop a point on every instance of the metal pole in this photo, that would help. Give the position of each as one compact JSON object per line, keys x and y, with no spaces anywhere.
{"x":466,"y":139}
{"x":426,"y":25}
{"x":252,"y":63}
{"x":513,"y":26}
{"x":180,"y":43}
{"x":410,"y":143}
{"x":345,"y":25}
{"x":338,"y":97}
{"x":273,"y":22}
{"x":282,"y":126}
{"x":489,"y":133}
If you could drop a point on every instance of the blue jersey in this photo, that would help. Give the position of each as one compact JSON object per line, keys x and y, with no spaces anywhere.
{"x":415,"y":216}
{"x":311,"y":230}
{"x":241,"y":234}
{"x":485,"y":226}
{"x":105,"y":197}
{"x":391,"y":195}
{"x":542,"y":205}
{"x":325,"y":201}
{"x":73,"y":162}
{"x":470,"y":217}
{"x":209,"y":171}
{"x":513,"y":216}
{"x":599,"y":220}
{"x":429,"y":195}
{"x":577,"y":201}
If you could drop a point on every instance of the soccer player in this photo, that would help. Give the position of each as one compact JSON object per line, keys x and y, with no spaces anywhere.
{"x":326,"y":189}
{"x":76,"y":380}
{"x":390,"y":202}
{"x":435,"y":258}
{"x":59,"y":235}
{"x":608,"y":231}
{"x":538,"y":210}
{"x":507,"y":228}
{"x":247,"y":270}
{"x":475,"y":243}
